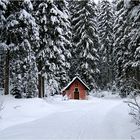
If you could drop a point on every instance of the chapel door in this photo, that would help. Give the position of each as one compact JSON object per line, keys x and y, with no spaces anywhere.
{"x":76,"y":94}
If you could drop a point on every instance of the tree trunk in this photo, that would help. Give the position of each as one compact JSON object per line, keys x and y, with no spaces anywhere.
{"x":138,"y":75}
{"x":6,"y":73}
{"x":43,"y":87}
{"x":40,"y":85}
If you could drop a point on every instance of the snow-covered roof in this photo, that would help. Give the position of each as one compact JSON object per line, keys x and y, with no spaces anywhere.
{"x":73,"y":81}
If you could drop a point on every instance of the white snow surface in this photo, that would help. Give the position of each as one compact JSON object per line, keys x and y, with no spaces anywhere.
{"x":55,"y":118}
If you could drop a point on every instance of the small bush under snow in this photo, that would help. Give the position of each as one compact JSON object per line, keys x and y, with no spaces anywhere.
{"x":105,"y":94}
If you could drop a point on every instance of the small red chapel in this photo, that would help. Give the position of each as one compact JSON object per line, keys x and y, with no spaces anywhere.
{"x":76,"y":89}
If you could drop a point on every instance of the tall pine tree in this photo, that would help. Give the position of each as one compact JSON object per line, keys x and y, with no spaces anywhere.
{"x":126,"y":44}
{"x":105,"y":30}
{"x":86,"y":42}
{"x":3,"y":48}
{"x":21,"y":34}
{"x":54,"y":53}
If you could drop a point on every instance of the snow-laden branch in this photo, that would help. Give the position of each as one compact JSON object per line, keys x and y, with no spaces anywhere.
{"x":134,"y":105}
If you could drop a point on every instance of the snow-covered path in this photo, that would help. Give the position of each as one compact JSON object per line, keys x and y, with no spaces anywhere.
{"x":91,"y":119}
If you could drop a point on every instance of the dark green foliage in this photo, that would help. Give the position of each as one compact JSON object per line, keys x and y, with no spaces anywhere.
{"x":54,"y":52}
{"x":105,"y":29}
{"x":50,"y":39}
{"x":127,"y":38}
{"x":21,"y":36}
{"x":16,"y":93}
{"x":85,"y":42}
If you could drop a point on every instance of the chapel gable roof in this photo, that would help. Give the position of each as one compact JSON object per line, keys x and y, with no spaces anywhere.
{"x":75,"y":78}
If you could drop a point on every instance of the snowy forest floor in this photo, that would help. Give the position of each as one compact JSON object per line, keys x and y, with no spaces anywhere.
{"x":54,"y":118}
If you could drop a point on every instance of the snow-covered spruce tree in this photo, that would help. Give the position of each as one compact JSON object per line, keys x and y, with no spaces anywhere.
{"x":86,"y":42}
{"x":105,"y":30}
{"x":22,"y":34}
{"x":52,"y":18}
{"x":40,"y":13}
{"x":3,"y":7}
{"x":114,"y":4}
{"x":73,"y":61}
{"x":65,"y":38}
{"x":134,"y":44}
{"x":3,"y":46}
{"x":126,"y":44}
{"x":30,"y":44}
{"x":119,"y":48}
{"x":30,"y":69}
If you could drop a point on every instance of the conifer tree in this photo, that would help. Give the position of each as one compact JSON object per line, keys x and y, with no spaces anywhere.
{"x":126,"y":45}
{"x":132,"y":36}
{"x":105,"y":30}
{"x":54,"y":53}
{"x":65,"y":38}
{"x":21,"y":34}
{"x":86,"y":42}
{"x":3,"y":48}
{"x":72,"y":10}
{"x":3,"y":7}
{"x":120,"y":25}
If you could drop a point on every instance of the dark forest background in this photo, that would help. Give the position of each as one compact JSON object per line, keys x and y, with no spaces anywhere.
{"x":45,"y":43}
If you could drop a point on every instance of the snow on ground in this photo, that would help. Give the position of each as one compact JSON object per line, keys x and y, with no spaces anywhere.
{"x":18,"y":111}
{"x":54,"y":118}
{"x":105,"y":94}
